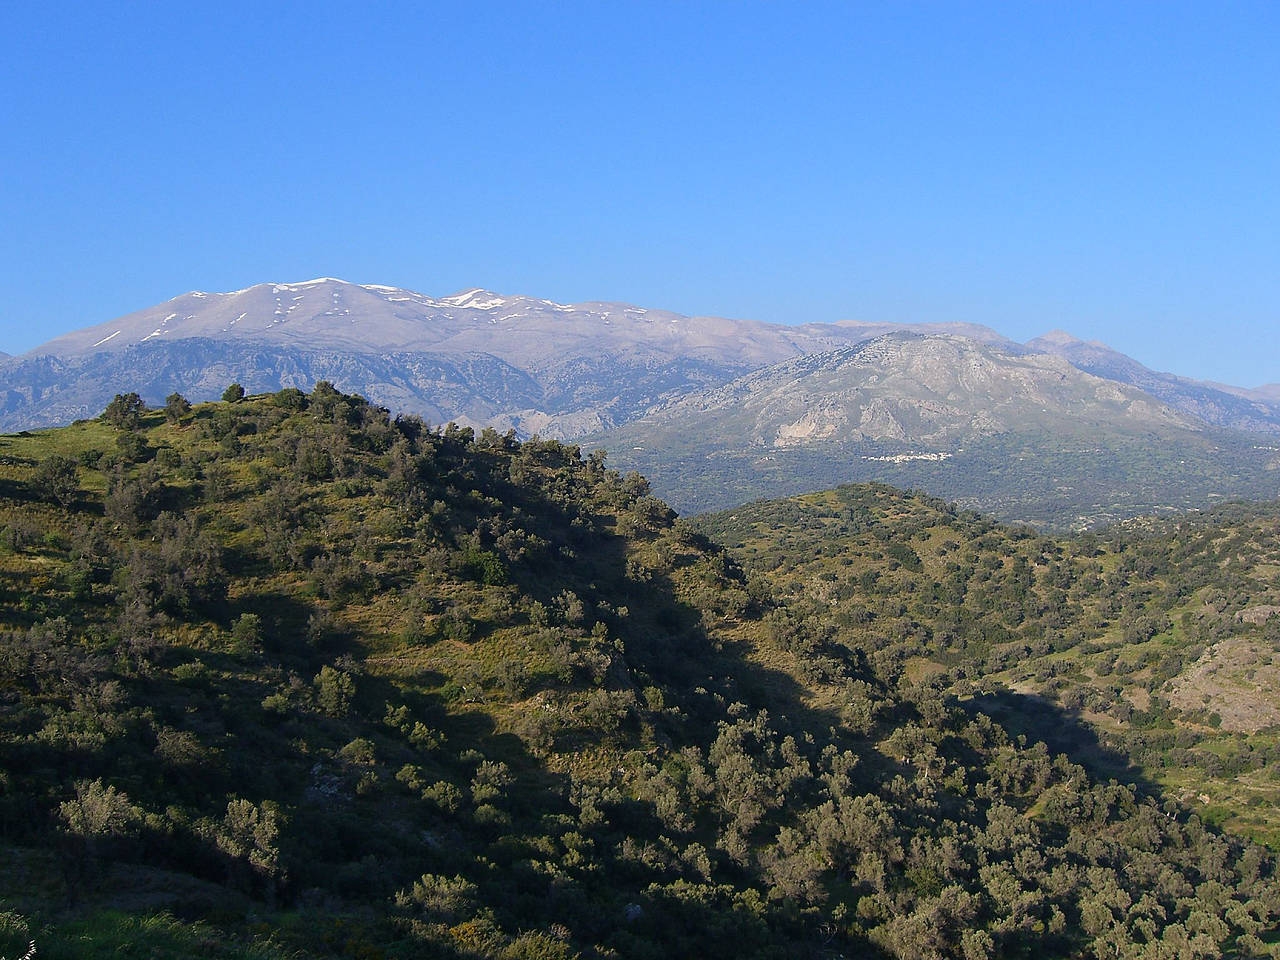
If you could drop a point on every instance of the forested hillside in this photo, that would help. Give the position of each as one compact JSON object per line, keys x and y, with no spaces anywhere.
{"x":284,"y":677}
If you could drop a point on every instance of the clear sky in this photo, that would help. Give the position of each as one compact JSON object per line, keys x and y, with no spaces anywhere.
{"x":1112,"y":169}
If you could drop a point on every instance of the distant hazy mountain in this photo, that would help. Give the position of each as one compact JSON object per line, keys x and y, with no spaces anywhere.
{"x":44,"y":389}
{"x":1268,"y":393}
{"x":911,"y":388}
{"x":1234,"y":407}
{"x":561,"y":369}
{"x":336,"y":315}
{"x":1025,"y":436}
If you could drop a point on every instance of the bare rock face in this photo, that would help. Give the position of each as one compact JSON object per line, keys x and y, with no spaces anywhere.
{"x":826,"y":420}
{"x":1235,"y":679}
{"x":1258,"y":614}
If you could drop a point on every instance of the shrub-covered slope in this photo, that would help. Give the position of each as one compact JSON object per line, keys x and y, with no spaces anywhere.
{"x":284,"y":677}
{"x":1162,"y":638}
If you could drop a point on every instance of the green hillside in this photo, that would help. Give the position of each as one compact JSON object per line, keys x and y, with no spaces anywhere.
{"x":1159,"y":639}
{"x":286,"y":678}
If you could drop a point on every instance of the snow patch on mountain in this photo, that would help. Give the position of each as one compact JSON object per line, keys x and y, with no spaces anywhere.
{"x":475,"y":299}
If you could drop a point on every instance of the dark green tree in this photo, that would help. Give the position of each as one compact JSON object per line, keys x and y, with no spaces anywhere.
{"x":125,"y":411}
{"x":176,"y":406}
{"x":132,"y":446}
{"x":58,"y":479}
{"x":233,"y":393}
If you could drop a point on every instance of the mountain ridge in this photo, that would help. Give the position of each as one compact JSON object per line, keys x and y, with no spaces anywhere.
{"x":942,"y":367}
{"x":465,"y":320}
{"x":1215,"y":404}
{"x":330,"y":313}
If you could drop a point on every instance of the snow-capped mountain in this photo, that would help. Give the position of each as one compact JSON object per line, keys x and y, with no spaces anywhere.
{"x":560,"y":369}
{"x":327,"y":313}
{"x":475,"y":356}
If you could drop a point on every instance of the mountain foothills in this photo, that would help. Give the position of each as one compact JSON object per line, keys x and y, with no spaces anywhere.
{"x":1057,"y":431}
{"x":289,"y":677}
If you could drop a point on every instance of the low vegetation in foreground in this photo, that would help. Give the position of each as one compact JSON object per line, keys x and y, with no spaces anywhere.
{"x":284,"y":677}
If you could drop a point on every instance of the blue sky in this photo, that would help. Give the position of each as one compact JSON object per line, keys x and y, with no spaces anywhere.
{"x":1110,"y":169}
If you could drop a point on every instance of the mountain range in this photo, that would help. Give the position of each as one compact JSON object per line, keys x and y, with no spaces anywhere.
{"x":679,"y":396}
{"x":479,"y":356}
{"x":1026,"y":437}
{"x":476,"y":356}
